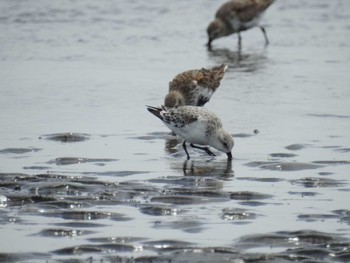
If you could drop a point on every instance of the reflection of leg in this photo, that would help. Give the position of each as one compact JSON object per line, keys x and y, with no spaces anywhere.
{"x":264,"y":32}
{"x":184,"y":168}
{"x":191,"y":169}
{"x":239,"y":41}
{"x":184,"y":146}
{"x":206,"y":149}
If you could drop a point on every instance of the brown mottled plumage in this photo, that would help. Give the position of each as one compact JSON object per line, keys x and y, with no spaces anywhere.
{"x":194,"y":87}
{"x":235,"y":16}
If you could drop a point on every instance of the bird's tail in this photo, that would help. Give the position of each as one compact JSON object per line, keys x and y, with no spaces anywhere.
{"x":155,"y":111}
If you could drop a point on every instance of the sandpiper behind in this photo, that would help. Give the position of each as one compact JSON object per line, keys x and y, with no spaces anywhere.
{"x":235,"y":16}
{"x":194,"y":87}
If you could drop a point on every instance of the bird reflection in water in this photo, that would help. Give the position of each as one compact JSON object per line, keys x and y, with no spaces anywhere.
{"x":244,"y":62}
{"x":221,"y":169}
{"x":213,"y":167}
{"x":171,"y":144}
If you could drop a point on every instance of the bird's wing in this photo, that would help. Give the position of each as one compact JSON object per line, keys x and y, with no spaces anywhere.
{"x":244,"y":10}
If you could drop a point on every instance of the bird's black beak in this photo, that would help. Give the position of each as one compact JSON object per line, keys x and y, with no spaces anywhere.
{"x":229,"y":156}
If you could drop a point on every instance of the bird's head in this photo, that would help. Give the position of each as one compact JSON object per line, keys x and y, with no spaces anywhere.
{"x":224,"y":143}
{"x":215,"y":30}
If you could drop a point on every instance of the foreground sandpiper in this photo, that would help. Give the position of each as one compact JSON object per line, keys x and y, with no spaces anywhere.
{"x":196,"y":125}
{"x":235,"y":16}
{"x":194,"y":87}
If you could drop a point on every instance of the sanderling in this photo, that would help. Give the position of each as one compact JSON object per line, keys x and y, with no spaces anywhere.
{"x":235,"y":16}
{"x":194,"y":87}
{"x":196,"y":125}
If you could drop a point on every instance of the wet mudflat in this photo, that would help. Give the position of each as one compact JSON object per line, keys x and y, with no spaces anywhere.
{"x":88,"y":175}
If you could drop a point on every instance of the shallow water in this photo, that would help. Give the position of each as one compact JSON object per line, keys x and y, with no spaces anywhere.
{"x":87,"y":174}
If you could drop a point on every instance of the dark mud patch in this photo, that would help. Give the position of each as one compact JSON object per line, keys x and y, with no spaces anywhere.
{"x":343,"y":214}
{"x":180,"y":200}
{"x":247,"y":196}
{"x":252,"y":203}
{"x":66,"y":204}
{"x":116,"y":173}
{"x":300,"y":246}
{"x":65,"y":188}
{"x":158,"y":210}
{"x":6,"y":218}
{"x":139,"y":187}
{"x":237,"y":214}
{"x":203,"y":193}
{"x":93,"y":249}
{"x":343,"y":150}
{"x":288,"y":239}
{"x":72,"y":198}
{"x":333,"y":162}
{"x":118,"y":240}
{"x":19,"y":150}
{"x":242,"y":135}
{"x":315,"y":182}
{"x":167,"y":245}
{"x":284,"y":166}
{"x":80,"y":160}
{"x":64,"y":232}
{"x":325,"y":173}
{"x":330,"y":116}
{"x":316,"y":217}
{"x":304,"y":194}
{"x":189,"y":182}
{"x":185,"y":225}
{"x":62,"y":192}
{"x":329,"y":147}
{"x":35,"y":167}
{"x":290,"y":166}
{"x":79,"y":224}
{"x":282,"y":155}
{"x":23,"y":257}
{"x":6,"y":176}
{"x":66,"y":137}
{"x":261,"y":179}
{"x":48,"y":178}
{"x":86,"y":215}
{"x":296,"y":146}
{"x":199,"y":255}
{"x":20,"y":200}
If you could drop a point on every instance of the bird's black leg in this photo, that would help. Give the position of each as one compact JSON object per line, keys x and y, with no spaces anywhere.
{"x":265,"y":35}
{"x":206,"y":149}
{"x":184,"y":146}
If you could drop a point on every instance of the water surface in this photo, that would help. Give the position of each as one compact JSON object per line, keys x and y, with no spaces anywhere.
{"x":87,"y":174}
